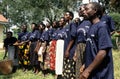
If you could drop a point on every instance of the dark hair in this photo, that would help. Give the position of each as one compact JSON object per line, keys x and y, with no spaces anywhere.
{"x":62,"y":18}
{"x":71,"y":14}
{"x":57,"y":23}
{"x":96,"y":6}
{"x":24,"y":25}
{"x":36,"y":27}
{"x":9,"y":32}
{"x":103,"y":9}
{"x":43,"y":25}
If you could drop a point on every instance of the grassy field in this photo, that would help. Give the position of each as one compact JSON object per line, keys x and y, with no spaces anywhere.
{"x":29,"y":75}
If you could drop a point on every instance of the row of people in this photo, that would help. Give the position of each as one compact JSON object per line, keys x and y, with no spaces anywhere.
{"x":74,"y":50}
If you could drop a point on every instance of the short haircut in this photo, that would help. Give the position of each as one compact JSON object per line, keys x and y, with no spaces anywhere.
{"x":96,"y":6}
{"x":36,"y":27}
{"x":71,"y":14}
{"x":9,"y":32}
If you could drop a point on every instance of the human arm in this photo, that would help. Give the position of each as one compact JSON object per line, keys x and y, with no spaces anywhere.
{"x":96,"y":62}
{"x":5,"y":55}
{"x":68,"y":48}
{"x":37,"y":46}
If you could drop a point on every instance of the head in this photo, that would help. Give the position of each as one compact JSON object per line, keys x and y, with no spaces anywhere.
{"x":68,"y":16}
{"x":55,"y":24}
{"x":62,"y":22}
{"x":34,"y":26}
{"x":92,"y":10}
{"x":77,"y":21}
{"x":41,"y":26}
{"x":24,"y":27}
{"x":9,"y":34}
{"x":48,"y":25}
{"x":81,"y":10}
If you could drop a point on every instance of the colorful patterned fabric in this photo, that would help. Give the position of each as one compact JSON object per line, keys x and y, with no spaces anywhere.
{"x":80,"y":50}
{"x":69,"y":69}
{"x":24,"y":54}
{"x":52,"y":54}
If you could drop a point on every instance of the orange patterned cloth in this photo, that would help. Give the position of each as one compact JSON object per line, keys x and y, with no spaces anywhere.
{"x":52,"y":54}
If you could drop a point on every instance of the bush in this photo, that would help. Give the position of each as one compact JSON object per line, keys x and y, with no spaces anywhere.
{"x":116,"y":18}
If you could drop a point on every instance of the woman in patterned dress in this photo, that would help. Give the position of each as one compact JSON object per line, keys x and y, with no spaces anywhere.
{"x":23,"y":45}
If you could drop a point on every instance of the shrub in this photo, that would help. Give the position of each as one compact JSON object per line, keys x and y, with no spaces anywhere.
{"x":116,"y":18}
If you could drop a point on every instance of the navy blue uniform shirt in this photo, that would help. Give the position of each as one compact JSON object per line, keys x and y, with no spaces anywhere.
{"x":98,"y":39}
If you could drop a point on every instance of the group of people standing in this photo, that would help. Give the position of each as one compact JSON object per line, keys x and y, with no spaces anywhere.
{"x":74,"y":49}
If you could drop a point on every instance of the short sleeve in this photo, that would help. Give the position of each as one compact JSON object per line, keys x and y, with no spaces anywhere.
{"x":73,"y":30}
{"x":104,"y":40}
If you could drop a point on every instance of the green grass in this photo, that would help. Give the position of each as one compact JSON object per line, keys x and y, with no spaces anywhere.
{"x":23,"y":75}
{"x":116,"y":59}
{"x":29,"y":75}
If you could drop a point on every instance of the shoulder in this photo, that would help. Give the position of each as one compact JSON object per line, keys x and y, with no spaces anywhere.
{"x":14,"y":38}
{"x":20,"y":34}
{"x":101,"y":25}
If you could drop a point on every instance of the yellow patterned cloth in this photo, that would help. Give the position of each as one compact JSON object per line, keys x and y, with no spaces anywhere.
{"x":69,"y":69}
{"x":24,"y":54}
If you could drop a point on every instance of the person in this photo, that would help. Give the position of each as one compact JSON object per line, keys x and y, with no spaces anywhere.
{"x":23,"y":45}
{"x":39,"y":46}
{"x":77,"y":21}
{"x":69,"y":46}
{"x":98,"y":56}
{"x":82,"y":30}
{"x":5,"y":46}
{"x":12,"y":49}
{"x":52,"y":48}
{"x":45,"y":38}
{"x":43,"y":54}
{"x":59,"y":37}
{"x":33,"y":38}
{"x":109,"y":21}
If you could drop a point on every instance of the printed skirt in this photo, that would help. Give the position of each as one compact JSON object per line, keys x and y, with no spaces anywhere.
{"x":52,"y":53}
{"x":80,"y":51}
{"x":24,"y":54}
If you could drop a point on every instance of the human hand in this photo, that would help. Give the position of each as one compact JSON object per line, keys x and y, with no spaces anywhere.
{"x":85,"y":74}
{"x":67,"y":54}
{"x":82,"y":68}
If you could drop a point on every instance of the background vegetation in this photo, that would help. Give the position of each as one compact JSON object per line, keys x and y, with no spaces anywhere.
{"x":20,"y":11}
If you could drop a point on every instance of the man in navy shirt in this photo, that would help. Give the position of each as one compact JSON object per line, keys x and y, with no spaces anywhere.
{"x":108,"y":21}
{"x":98,"y":56}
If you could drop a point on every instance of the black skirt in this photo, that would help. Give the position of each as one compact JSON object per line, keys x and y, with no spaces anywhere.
{"x":33,"y":55}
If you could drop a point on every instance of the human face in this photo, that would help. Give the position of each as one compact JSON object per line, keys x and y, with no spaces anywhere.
{"x":9,"y":35}
{"x":54,"y":24}
{"x":40,"y":27}
{"x":48,"y":25}
{"x":89,"y":12}
{"x":61,"y":22}
{"x":81,"y":10}
{"x":32,"y":26}
{"x":23,"y":27}
{"x":67,"y":16}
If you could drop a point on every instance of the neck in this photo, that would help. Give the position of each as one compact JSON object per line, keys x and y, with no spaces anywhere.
{"x":25,"y":31}
{"x":68,"y":21}
{"x":95,"y":20}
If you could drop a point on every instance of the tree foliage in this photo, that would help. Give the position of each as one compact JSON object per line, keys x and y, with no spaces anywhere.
{"x":20,"y":11}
